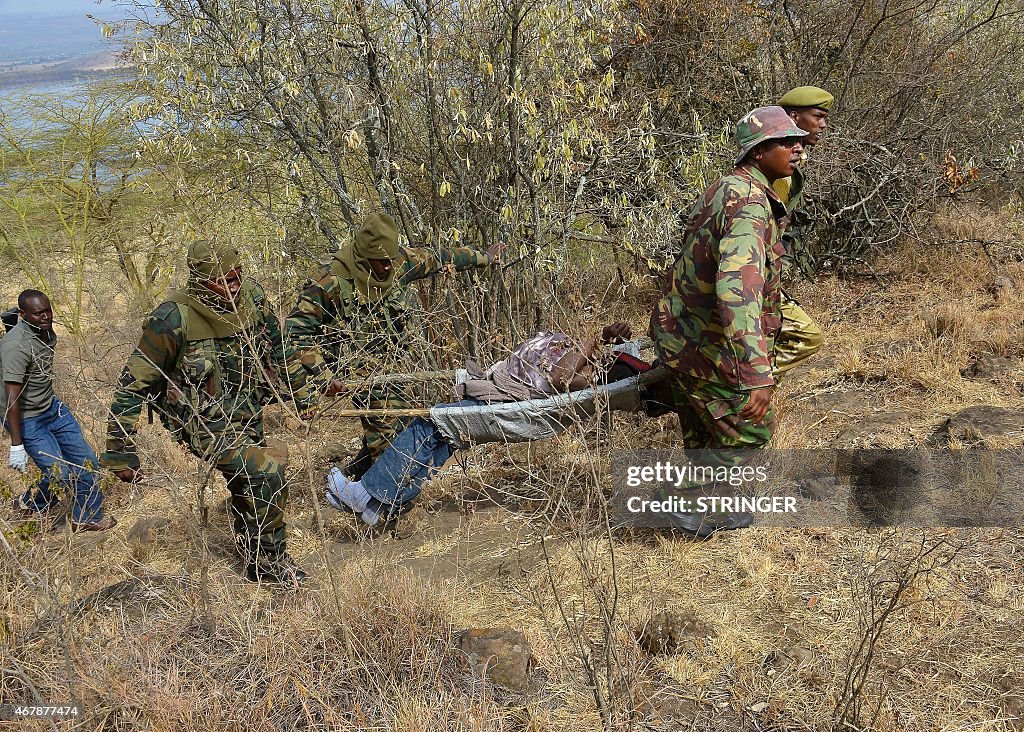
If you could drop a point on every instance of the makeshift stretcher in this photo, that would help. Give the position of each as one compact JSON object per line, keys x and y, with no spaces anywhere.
{"x":538,"y":419}
{"x":523,"y":421}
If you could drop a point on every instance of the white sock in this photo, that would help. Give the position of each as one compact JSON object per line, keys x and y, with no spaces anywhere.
{"x":370,"y":517}
{"x":349,"y":492}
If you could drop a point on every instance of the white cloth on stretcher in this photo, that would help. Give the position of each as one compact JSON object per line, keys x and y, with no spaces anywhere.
{"x":535,"y":419}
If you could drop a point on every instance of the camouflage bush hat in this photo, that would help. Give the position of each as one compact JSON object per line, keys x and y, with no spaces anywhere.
{"x":807,"y":96}
{"x":764,"y":123}
{"x":377,"y":238}
{"x":209,"y":261}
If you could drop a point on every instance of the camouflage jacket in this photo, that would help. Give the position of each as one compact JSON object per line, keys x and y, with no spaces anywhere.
{"x":335,"y":332}
{"x":719,"y":314}
{"x":205,"y":391}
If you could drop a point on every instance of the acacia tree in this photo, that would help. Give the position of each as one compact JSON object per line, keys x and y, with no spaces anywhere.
{"x":67,"y":173}
{"x":928,"y":97}
{"x":547,"y":124}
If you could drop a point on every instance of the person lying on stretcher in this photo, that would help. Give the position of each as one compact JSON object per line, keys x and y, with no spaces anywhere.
{"x":545,"y":364}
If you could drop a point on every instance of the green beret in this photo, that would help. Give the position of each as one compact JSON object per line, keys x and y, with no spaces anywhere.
{"x":377,"y":238}
{"x":210,"y":261}
{"x":807,"y":96}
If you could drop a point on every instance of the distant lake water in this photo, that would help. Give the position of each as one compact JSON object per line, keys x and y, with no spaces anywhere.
{"x":15,"y":101}
{"x":55,"y":89}
{"x":19,"y":109}
{"x":67,"y":88}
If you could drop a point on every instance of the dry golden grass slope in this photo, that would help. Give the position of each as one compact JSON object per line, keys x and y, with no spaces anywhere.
{"x":160,"y":632}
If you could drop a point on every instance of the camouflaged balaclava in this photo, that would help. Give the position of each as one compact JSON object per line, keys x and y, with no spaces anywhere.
{"x":211,"y":316}
{"x":377,"y":238}
{"x":209,"y":260}
{"x":764,"y":123}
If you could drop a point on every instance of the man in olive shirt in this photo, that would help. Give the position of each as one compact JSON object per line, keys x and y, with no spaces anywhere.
{"x":800,"y":337}
{"x":41,"y":427}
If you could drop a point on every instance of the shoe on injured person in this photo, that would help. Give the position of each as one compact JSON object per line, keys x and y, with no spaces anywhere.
{"x":349,"y":495}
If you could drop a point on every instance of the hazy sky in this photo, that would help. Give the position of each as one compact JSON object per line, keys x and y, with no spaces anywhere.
{"x":56,"y":7}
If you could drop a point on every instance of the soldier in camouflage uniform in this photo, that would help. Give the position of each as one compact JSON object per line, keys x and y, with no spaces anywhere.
{"x":205,"y":360}
{"x":350,"y":322}
{"x":716,"y":323}
{"x":808,"y":107}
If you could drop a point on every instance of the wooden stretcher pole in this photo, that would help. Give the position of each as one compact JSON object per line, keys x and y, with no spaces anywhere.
{"x":423,"y":412}
{"x":401,"y":378}
{"x":643,"y":343}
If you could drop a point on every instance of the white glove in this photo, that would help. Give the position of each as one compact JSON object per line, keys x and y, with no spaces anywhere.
{"x":18,"y":458}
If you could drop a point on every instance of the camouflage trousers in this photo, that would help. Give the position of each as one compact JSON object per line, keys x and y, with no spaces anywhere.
{"x":714,"y":435}
{"x":255,"y":478}
{"x":380,"y":430}
{"x":799,"y":339}
{"x":709,"y":416}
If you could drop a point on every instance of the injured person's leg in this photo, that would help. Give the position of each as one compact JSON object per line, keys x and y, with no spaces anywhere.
{"x":390,"y":486}
{"x":394,"y":481}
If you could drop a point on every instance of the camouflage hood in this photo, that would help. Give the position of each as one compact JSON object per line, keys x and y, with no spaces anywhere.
{"x":211,"y":315}
{"x":377,"y":238}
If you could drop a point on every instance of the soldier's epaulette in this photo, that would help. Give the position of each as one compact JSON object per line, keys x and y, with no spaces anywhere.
{"x":256,"y":292}
{"x":168,"y":313}
{"x":740,"y":185}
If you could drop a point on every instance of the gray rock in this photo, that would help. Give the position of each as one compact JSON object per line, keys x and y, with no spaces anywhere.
{"x":887,"y":487}
{"x":990,"y":368}
{"x":837,"y":401}
{"x":973,"y":425}
{"x":672,"y":702}
{"x":864,"y":431}
{"x":341,"y":452}
{"x":815,"y":488}
{"x":146,"y":535}
{"x":501,"y":655}
{"x":789,"y":657}
{"x":1011,"y":698}
{"x":1002,"y":288}
{"x":147,"y":530}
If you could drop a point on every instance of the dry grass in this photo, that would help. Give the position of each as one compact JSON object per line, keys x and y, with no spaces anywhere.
{"x":370,"y":645}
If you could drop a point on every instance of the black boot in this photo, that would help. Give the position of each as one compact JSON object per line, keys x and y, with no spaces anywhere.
{"x":280,"y":568}
{"x":358,"y":465}
{"x":704,"y":525}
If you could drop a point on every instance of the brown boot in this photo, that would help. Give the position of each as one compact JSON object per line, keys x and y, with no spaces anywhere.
{"x":103,"y":524}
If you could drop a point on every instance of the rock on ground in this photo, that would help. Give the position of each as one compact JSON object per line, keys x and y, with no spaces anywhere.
{"x":501,"y":655}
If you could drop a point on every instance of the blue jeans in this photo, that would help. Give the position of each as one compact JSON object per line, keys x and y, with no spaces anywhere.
{"x":397,"y":476}
{"x":55,"y":442}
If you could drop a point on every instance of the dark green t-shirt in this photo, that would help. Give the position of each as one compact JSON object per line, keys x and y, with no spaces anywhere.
{"x":28,"y":360}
